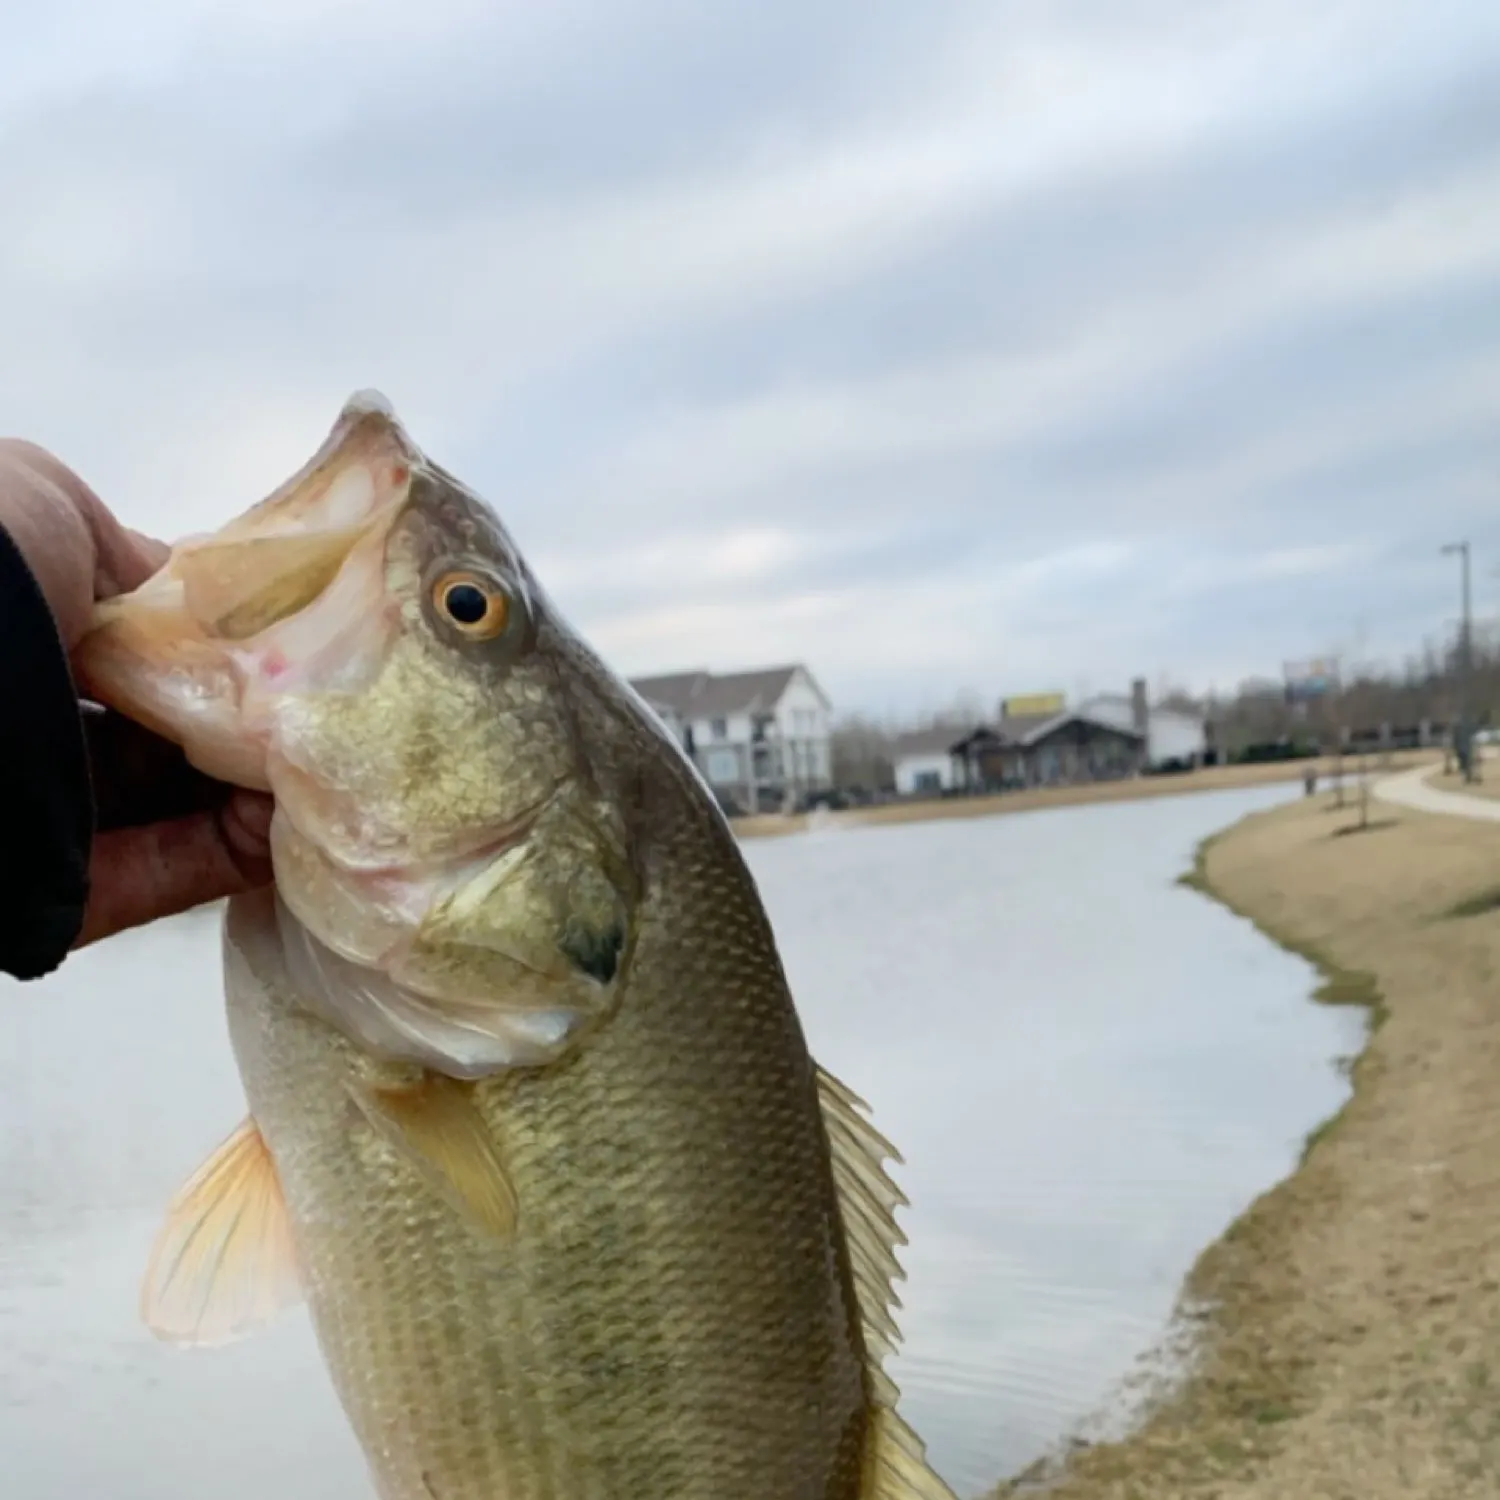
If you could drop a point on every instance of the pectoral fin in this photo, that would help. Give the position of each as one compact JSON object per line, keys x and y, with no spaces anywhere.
{"x":223,"y":1264}
{"x":435,"y":1126}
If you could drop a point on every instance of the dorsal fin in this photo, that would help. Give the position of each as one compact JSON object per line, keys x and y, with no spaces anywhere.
{"x":896,"y":1466}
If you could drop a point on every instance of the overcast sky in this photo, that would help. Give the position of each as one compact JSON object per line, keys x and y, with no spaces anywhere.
{"x":999,"y":346}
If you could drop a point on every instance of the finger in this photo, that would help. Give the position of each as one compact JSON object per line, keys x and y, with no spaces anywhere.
{"x":126,"y":558}
{"x":153,"y":550}
{"x":123,"y":558}
{"x":140,"y":778}
{"x":55,"y":537}
{"x":138,"y":875}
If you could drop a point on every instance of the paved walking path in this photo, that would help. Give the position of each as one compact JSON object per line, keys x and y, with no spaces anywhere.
{"x":1411,"y":789}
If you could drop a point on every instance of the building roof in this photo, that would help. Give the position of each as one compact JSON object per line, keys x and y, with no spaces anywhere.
{"x":1011,"y":731}
{"x":1020,"y":731}
{"x":1018,"y":728}
{"x":1053,"y":722}
{"x":941,"y":739}
{"x":983,"y":735}
{"x":702,"y":694}
{"x":671,"y":690}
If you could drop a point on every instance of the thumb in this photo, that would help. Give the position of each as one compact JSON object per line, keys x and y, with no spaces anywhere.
{"x":137,"y":875}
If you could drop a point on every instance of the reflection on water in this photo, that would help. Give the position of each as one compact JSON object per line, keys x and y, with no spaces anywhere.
{"x":1089,"y":1071}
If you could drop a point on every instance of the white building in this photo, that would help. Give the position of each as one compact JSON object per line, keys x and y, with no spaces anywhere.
{"x":1171,"y":735}
{"x":924,"y":763}
{"x":760,"y":738}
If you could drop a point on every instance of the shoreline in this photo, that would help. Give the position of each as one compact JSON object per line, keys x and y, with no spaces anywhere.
{"x":1133,"y":789}
{"x":1341,"y":1338}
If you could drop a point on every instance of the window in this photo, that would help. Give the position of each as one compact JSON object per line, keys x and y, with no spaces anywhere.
{"x":723,"y":767}
{"x":719,"y":729}
{"x":927,"y":781}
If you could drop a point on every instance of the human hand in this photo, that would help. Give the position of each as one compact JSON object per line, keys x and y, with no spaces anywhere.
{"x":168,"y":837}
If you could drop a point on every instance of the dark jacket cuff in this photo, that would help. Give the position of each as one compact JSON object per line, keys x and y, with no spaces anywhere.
{"x":47,"y":821}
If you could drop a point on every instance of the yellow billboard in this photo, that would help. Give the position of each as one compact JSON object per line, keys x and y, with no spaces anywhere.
{"x":1032,"y":704}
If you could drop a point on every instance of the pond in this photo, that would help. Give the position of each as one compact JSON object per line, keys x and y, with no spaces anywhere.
{"x":1089,"y":1070}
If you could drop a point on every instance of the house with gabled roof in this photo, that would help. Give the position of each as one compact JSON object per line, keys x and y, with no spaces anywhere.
{"x":1107,"y":736}
{"x":1020,"y":750}
{"x":1072,"y":745}
{"x":761,"y":738}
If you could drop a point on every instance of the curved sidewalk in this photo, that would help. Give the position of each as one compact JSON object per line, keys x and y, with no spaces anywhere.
{"x":1410,"y":789}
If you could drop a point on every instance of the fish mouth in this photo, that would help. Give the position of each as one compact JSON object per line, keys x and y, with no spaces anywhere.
{"x":283,"y":553}
{"x":178,"y":653}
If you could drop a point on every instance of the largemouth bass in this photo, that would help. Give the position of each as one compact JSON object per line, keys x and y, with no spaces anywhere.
{"x":533,"y":1127}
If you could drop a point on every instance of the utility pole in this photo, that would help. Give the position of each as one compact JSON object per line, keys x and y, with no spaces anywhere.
{"x":1463,"y":741}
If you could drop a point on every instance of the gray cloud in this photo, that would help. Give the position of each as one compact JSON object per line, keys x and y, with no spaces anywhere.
{"x":943,"y":347}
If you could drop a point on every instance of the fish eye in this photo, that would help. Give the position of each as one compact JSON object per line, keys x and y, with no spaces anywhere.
{"x":473,"y":605}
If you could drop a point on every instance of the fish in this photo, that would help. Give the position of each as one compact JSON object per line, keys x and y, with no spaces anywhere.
{"x":533,"y":1129}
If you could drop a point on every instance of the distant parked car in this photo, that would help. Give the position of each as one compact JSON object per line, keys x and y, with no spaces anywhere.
{"x":831,"y":798}
{"x":1173,"y":766}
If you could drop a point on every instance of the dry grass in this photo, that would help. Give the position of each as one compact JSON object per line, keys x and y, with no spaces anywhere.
{"x":1215,"y":778}
{"x":1351,"y":1347}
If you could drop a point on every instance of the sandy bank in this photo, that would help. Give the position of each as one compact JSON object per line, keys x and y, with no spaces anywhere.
{"x":1352,"y":1347}
{"x":1215,"y":778}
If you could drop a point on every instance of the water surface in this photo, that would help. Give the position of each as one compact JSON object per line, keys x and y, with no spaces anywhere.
{"x":1089,"y":1070}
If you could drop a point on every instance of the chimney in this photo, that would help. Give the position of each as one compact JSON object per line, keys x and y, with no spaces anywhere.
{"x":1139,"y":715}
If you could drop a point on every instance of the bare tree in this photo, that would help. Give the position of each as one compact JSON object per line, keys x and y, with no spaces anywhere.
{"x":1371,"y":697}
{"x":862,"y":754}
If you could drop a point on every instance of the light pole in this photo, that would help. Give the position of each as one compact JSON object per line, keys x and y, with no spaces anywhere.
{"x":1463,"y":741}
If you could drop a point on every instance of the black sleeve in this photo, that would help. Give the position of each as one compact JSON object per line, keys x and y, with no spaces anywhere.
{"x":47,"y":812}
